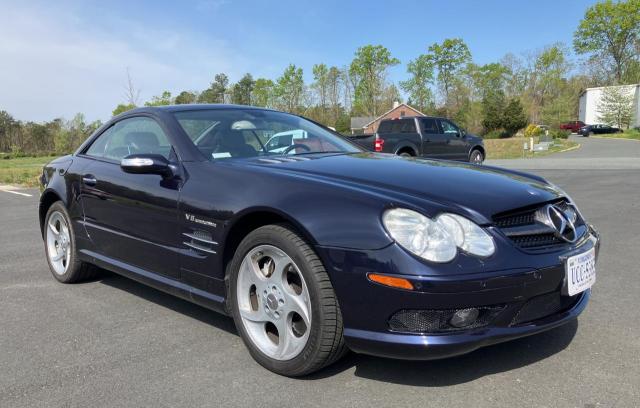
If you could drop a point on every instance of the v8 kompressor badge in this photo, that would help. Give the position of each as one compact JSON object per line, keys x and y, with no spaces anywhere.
{"x":193,"y":218}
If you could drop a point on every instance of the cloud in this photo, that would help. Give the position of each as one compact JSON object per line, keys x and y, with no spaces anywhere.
{"x":56,"y":63}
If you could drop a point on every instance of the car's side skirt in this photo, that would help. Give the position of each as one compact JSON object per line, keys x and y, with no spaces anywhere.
{"x":163,"y":283}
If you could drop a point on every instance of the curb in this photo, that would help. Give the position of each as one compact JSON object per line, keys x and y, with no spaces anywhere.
{"x":568,"y":149}
{"x":615,"y":138}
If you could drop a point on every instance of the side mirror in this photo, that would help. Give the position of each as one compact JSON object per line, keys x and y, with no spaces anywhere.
{"x":147,"y":164}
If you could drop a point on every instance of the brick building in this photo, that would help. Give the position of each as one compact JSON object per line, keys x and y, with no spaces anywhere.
{"x":399,"y":110}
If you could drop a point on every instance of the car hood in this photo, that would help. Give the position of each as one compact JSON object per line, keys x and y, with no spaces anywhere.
{"x":479,"y":189}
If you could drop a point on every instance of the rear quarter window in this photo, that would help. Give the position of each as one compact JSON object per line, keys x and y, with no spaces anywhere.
{"x":385,"y":127}
{"x":397,"y":126}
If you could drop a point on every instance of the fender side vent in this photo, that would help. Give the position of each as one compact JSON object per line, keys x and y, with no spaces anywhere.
{"x":200,"y":241}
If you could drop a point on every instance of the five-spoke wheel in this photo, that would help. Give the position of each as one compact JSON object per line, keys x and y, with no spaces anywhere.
{"x":59,"y":245}
{"x":58,"y":242}
{"x":283,"y":304}
{"x":274,"y":304}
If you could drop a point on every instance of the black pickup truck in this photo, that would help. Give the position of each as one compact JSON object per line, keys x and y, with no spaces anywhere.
{"x":424,"y":136}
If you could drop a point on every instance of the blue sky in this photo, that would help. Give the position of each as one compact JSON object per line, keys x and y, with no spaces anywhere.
{"x":59,"y":58}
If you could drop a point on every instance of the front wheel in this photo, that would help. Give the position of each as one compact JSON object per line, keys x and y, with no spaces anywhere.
{"x":283,"y":303}
{"x":476,"y":157}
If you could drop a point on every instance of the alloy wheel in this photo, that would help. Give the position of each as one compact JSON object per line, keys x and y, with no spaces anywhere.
{"x":58,"y":243}
{"x":274,"y":303}
{"x":476,"y":157}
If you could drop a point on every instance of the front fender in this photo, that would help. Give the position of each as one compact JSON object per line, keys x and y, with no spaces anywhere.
{"x":332,"y":214}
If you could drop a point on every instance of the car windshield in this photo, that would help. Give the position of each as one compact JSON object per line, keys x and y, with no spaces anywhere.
{"x":241,"y":133}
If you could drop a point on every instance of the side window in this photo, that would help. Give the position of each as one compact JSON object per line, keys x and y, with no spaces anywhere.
{"x":396,"y":126}
{"x":99,"y":145}
{"x":408,"y":126}
{"x":429,"y":126}
{"x":139,"y":135}
{"x":448,"y":127}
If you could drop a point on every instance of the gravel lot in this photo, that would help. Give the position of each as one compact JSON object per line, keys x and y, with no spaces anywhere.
{"x":113,"y":342}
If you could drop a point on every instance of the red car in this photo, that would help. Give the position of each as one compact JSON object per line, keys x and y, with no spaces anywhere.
{"x":573,"y":126}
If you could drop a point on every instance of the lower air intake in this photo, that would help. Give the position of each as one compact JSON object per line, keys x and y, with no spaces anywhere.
{"x":543,"y":306}
{"x":437,"y":321}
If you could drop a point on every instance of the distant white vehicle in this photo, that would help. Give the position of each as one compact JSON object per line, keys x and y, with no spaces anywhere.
{"x":281,"y":141}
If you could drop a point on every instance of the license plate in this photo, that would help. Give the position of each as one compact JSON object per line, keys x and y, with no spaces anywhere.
{"x":580,"y":272}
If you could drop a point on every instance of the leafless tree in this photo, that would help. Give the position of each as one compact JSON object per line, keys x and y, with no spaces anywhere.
{"x":131,"y":94}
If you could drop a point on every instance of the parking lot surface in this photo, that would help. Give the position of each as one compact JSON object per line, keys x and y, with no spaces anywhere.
{"x":113,"y":342}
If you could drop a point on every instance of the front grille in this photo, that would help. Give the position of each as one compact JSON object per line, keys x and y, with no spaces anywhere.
{"x":528,"y":233}
{"x":534,"y":241}
{"x":543,"y":306}
{"x":437,"y":321}
{"x":516,"y":220}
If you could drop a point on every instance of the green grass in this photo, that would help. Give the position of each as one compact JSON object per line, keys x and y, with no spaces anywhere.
{"x":26,"y":170}
{"x":22,"y":170}
{"x":512,"y":148}
{"x":628,"y":134}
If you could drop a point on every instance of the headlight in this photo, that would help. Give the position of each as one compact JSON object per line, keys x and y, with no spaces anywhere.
{"x":437,"y":240}
{"x":468,"y":236}
{"x":419,"y":235}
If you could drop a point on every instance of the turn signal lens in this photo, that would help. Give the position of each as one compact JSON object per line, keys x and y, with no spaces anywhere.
{"x":390,"y":281}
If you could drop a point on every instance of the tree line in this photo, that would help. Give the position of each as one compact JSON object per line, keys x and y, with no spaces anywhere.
{"x":539,"y":86}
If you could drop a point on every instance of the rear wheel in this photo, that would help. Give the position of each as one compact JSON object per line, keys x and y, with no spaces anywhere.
{"x":406,"y":153}
{"x":283,"y":304}
{"x":60,"y":247}
{"x":476,"y":157}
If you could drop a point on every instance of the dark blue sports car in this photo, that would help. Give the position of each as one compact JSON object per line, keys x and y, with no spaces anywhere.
{"x":313,"y":245}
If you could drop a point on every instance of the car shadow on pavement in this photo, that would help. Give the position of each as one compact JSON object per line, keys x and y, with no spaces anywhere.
{"x":457,"y":370}
{"x":217,"y":320}
{"x":437,"y":373}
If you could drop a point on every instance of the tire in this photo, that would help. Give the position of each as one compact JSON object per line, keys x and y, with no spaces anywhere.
{"x":476,"y":156}
{"x":588,"y":134}
{"x":67,"y":269}
{"x":405,"y":154}
{"x":258,"y":288}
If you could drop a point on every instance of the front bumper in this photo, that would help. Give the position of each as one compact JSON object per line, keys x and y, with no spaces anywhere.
{"x":367,"y":307}
{"x":431,"y":347}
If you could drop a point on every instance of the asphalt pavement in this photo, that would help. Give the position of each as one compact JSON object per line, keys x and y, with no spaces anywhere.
{"x":113,"y":342}
{"x":593,"y":154}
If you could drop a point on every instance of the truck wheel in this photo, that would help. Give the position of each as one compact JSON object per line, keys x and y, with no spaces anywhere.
{"x":476,"y":157}
{"x":406,"y":153}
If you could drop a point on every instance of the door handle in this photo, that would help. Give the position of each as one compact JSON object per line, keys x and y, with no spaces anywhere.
{"x":89,"y":180}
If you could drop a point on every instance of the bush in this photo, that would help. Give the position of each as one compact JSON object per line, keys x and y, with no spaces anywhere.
{"x":498,"y":134}
{"x":514,"y":117}
{"x":494,"y":134}
{"x":559,"y":133}
{"x":533,"y":131}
